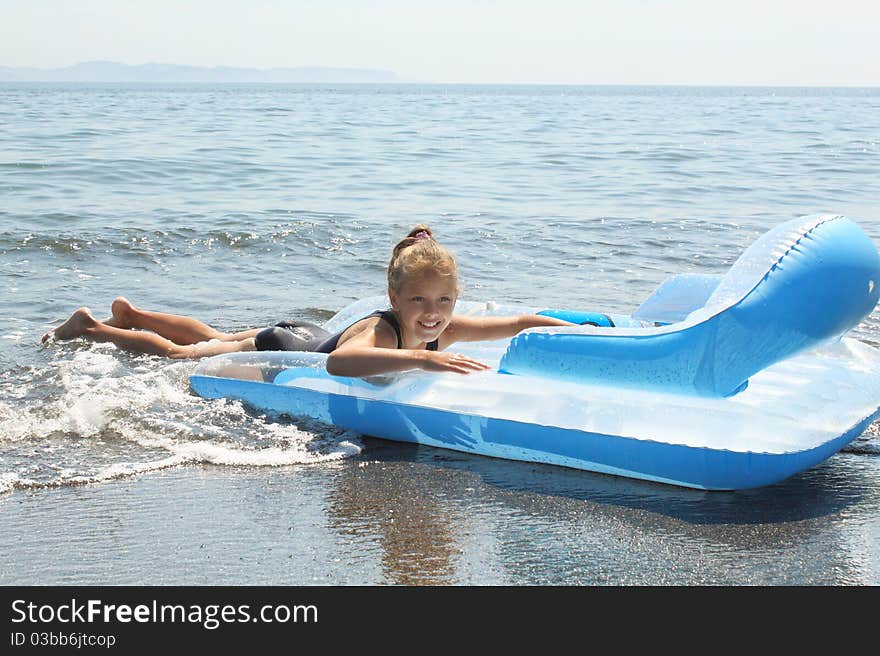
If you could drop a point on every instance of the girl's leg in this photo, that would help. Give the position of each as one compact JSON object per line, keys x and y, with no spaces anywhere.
{"x":83,"y":324}
{"x":178,"y":329}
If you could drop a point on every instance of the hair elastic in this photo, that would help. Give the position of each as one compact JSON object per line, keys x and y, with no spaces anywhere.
{"x":420,"y":235}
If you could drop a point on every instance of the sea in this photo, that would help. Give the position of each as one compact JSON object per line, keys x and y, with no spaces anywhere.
{"x":243,"y":205}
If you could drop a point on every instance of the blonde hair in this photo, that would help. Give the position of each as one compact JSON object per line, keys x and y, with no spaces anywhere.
{"x":416,"y":253}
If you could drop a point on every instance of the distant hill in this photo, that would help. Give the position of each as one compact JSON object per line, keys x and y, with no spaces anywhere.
{"x":106,"y":71}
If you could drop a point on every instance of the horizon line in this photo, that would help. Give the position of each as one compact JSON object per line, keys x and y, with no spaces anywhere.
{"x":716,"y":85}
{"x":214,"y":67}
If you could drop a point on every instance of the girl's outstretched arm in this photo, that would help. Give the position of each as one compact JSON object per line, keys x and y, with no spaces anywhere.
{"x":374,"y":351}
{"x":371,"y":360}
{"x":477,"y":329}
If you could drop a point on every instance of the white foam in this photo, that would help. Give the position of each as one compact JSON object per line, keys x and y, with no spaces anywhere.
{"x":7,"y":482}
{"x":218,"y":454}
{"x":116,"y":416}
{"x":299,"y":447}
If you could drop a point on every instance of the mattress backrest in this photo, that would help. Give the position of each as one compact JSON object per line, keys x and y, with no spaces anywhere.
{"x":803,"y":282}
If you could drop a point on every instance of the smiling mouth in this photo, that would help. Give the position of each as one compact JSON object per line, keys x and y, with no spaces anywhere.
{"x":429,"y":326}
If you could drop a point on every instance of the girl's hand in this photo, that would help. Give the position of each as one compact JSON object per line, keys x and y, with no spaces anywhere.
{"x":456,"y":362}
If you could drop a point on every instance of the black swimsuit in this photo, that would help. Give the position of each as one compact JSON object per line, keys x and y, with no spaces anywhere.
{"x":305,"y":336}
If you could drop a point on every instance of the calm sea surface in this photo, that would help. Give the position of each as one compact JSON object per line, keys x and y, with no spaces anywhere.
{"x":245,"y":205}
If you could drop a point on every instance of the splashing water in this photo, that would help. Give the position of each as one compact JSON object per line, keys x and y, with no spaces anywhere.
{"x":113,"y":415}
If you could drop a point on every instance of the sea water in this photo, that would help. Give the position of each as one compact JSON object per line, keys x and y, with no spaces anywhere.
{"x":243,"y":205}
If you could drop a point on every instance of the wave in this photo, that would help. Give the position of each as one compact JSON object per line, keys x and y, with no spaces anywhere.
{"x":109,"y":415}
{"x":66,"y":234}
{"x":186,"y":454}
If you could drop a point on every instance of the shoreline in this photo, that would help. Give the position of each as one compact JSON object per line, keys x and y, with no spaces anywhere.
{"x":405,"y":515}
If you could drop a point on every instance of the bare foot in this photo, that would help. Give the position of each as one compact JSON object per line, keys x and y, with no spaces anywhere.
{"x":122,"y":310}
{"x":78,"y":323}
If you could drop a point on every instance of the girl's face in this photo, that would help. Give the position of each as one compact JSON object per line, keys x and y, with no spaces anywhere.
{"x":424,"y":305}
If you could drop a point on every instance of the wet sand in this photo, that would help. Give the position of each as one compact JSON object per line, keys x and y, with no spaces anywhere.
{"x":405,"y":515}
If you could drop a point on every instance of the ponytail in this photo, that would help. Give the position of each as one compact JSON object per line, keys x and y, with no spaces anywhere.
{"x":416,"y":253}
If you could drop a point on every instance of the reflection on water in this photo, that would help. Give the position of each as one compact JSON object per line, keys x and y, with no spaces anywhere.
{"x":821,"y":491}
{"x":445,"y":517}
{"x":415,"y":532}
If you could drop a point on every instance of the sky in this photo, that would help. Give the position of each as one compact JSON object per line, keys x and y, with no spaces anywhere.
{"x":700,"y":42}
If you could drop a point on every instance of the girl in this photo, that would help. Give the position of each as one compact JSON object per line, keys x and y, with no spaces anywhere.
{"x":413,"y":334}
